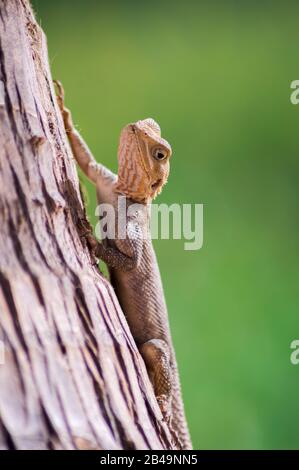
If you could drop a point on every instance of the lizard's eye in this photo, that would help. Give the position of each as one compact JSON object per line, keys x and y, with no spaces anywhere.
{"x":159,"y":153}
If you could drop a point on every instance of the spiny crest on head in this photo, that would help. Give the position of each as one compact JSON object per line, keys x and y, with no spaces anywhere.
{"x":152,"y":125}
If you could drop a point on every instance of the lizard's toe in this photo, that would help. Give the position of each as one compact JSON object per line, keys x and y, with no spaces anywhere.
{"x":164,"y":405}
{"x":59,"y":93}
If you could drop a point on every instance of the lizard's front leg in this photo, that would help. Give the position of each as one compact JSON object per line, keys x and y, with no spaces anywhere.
{"x":156,"y":356}
{"x":112,"y":256}
{"x":96,"y":172}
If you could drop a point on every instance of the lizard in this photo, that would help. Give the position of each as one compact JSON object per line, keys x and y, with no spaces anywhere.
{"x":143,"y":169}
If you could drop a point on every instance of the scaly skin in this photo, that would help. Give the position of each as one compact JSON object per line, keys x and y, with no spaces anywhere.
{"x":143,"y":170}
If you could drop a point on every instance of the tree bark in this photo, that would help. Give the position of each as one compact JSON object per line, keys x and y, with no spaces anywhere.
{"x":71,"y":376}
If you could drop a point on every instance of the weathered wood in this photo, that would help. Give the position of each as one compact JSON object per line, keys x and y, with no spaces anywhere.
{"x":72,"y":376}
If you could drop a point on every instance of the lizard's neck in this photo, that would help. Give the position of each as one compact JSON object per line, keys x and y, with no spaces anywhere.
{"x":136,"y":192}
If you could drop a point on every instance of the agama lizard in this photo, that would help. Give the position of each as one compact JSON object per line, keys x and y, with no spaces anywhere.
{"x":143,"y":168}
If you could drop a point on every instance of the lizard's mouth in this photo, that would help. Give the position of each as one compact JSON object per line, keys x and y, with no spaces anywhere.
{"x":156,"y":184}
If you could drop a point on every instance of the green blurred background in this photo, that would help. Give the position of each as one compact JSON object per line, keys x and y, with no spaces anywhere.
{"x":216,"y":76}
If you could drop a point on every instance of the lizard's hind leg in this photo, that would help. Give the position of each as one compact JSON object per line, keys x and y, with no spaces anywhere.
{"x":156,"y":355}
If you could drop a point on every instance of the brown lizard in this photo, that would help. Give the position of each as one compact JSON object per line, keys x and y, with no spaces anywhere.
{"x":143,"y":168}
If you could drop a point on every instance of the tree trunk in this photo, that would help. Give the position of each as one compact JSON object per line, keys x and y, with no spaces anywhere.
{"x":71,"y":376}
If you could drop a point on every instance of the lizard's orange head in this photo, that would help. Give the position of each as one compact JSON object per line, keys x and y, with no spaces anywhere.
{"x":143,"y":161}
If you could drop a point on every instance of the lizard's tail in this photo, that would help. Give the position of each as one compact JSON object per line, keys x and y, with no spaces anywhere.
{"x":178,"y":426}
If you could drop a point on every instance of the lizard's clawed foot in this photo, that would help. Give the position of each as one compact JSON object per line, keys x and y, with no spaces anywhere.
{"x":66,"y":114}
{"x":163,"y":402}
{"x":59,"y":94}
{"x":92,"y":242}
